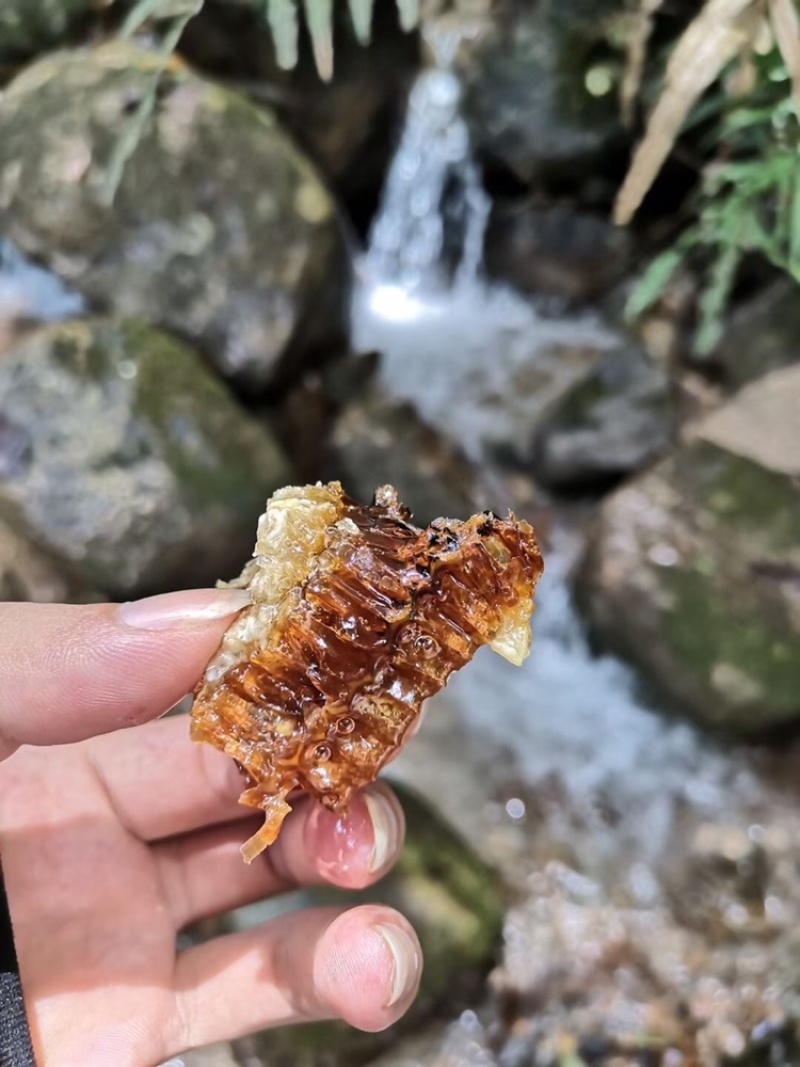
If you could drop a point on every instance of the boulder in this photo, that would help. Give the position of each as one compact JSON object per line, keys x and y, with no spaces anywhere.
{"x":763,"y":334}
{"x":219,"y":229}
{"x":694,"y":567}
{"x":124,"y":457}
{"x":527,"y":100}
{"x":29,"y":26}
{"x":376,"y":440}
{"x":608,"y":425}
{"x":555,"y":251}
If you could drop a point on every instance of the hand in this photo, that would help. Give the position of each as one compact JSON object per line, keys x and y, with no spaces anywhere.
{"x":111,"y":845}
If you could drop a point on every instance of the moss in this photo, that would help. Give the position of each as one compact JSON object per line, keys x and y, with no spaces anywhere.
{"x":711,"y":624}
{"x":739,"y":493}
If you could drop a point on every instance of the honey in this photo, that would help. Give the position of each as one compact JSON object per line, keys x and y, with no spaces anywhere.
{"x":358,"y":617}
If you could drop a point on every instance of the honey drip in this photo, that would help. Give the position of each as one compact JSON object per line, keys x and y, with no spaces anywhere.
{"x":363,"y":616}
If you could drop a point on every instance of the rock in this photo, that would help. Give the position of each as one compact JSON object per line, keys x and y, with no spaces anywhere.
{"x":453,"y":901}
{"x":376,"y":440}
{"x":121,"y":454}
{"x":555,"y":251}
{"x":30,"y":295}
{"x":27,"y":574}
{"x":348,"y":126}
{"x":694,"y":570}
{"x":608,"y":425}
{"x":527,"y":99}
{"x":762,"y":335}
{"x":213,"y":1056}
{"x":220,"y":231}
{"x":28,"y":26}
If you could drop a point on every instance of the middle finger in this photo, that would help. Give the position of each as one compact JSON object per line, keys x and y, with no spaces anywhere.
{"x":203,"y":873}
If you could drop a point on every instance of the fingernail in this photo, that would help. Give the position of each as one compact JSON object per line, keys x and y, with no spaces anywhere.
{"x":174,"y":609}
{"x":405,"y":960}
{"x":384,"y":830}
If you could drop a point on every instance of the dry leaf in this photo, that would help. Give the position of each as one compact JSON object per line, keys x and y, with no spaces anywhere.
{"x":638,"y":38}
{"x":786,"y":27}
{"x":720,"y":31}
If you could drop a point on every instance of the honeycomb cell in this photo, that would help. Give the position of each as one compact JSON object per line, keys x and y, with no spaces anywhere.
{"x":357,"y":617}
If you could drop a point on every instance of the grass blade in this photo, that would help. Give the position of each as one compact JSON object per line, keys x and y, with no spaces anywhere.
{"x":654,"y":280}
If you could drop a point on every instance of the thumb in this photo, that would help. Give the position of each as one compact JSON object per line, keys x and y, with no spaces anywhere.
{"x":69,"y":672}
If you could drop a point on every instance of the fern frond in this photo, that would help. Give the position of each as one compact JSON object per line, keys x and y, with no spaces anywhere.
{"x":283,"y":22}
{"x":409,"y":13}
{"x":319,"y":17}
{"x":361,"y":14}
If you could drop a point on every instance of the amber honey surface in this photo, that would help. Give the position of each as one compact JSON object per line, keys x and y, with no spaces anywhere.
{"x":363,"y":616}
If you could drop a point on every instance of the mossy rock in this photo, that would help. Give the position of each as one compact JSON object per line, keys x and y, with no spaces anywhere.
{"x":124,"y":457}
{"x":607,"y":426}
{"x":694,"y":567}
{"x":218,"y":230}
{"x":455,"y":903}
{"x":527,"y":99}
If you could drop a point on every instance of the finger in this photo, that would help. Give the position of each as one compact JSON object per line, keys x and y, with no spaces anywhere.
{"x":68,"y":672}
{"x":204,"y":873}
{"x":362,"y":966}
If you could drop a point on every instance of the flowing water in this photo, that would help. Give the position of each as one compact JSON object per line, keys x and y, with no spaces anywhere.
{"x":618,"y":824}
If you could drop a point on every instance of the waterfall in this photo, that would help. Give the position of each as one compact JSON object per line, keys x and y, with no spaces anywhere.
{"x":434,"y":207}
{"x":451,"y":342}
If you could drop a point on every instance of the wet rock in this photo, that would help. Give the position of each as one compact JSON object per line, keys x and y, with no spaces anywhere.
{"x":348,"y":126}
{"x":454,"y":903}
{"x":122,"y":455}
{"x":376,"y":440}
{"x":555,"y":251}
{"x":763,"y":335}
{"x":694,"y":570}
{"x":219,"y":230}
{"x":29,"y":26}
{"x":608,"y":425}
{"x":527,"y":98}
{"x":30,"y":295}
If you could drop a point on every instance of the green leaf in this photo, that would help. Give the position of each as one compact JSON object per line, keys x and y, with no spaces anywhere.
{"x":794,"y":222}
{"x":282,"y":17}
{"x":715,"y":297}
{"x":319,"y":16}
{"x":361,"y":14}
{"x":654,"y":280}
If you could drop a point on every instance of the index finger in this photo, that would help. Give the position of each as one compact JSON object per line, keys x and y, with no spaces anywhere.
{"x":70,"y":672}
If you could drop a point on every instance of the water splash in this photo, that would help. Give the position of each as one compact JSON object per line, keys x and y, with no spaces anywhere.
{"x":451,"y":343}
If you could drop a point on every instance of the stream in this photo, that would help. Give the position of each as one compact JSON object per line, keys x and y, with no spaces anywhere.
{"x":655,"y":870}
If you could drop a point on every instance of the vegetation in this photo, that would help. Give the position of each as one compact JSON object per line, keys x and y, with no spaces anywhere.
{"x":734,"y":76}
{"x":748,"y":198}
{"x":284,"y":17}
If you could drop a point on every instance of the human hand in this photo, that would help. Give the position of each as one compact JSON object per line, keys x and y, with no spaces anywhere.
{"x":112,"y":844}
